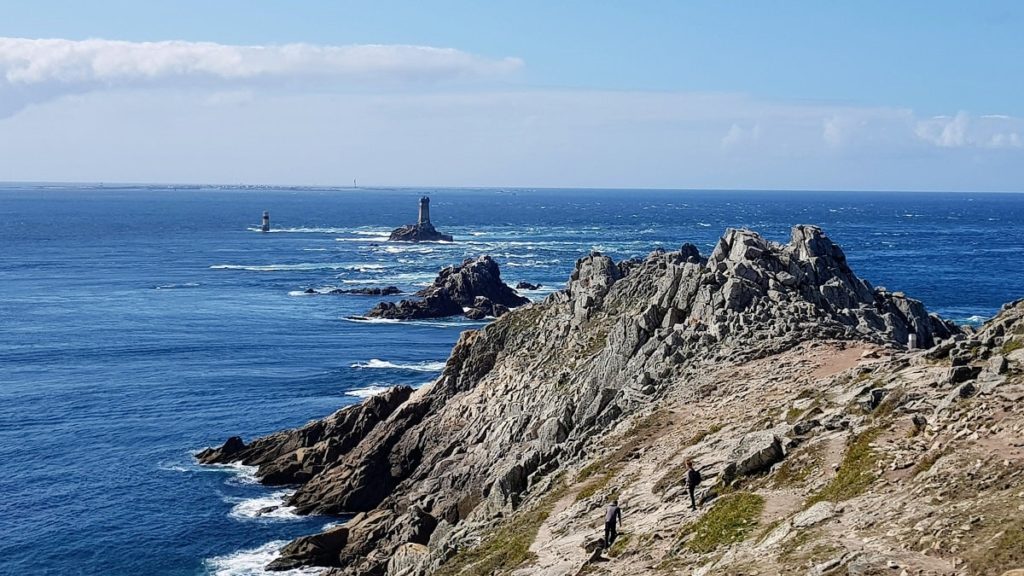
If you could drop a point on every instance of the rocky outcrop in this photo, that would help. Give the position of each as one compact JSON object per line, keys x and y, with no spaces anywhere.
{"x":534,"y":392}
{"x":422,"y":232}
{"x":473,"y":288}
{"x":296,"y":456}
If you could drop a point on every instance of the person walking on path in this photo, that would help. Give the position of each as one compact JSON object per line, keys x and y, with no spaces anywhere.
{"x":692,"y":481}
{"x":612,"y":519}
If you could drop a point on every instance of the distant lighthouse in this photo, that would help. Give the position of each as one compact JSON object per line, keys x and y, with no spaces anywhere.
{"x":266,"y":221}
{"x":424,"y":211}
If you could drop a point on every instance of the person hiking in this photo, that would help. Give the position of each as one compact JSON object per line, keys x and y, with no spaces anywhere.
{"x":692,"y":481}
{"x":612,"y":518}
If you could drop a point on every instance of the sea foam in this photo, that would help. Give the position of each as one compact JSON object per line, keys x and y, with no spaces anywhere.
{"x":377,"y":363}
{"x":253,"y":562}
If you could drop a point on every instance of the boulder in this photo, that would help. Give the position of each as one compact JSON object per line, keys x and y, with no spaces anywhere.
{"x":815,"y":514}
{"x":527,"y":286}
{"x":756,"y":452}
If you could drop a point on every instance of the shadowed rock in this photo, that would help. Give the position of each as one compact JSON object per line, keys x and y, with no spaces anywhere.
{"x":473,"y":288}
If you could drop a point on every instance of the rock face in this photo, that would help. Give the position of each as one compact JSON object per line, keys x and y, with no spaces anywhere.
{"x":473,"y":288}
{"x":534,"y":392}
{"x":418,"y":233}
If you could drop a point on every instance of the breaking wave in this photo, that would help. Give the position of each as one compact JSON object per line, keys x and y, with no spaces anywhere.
{"x":377,"y":363}
{"x":253,"y":562}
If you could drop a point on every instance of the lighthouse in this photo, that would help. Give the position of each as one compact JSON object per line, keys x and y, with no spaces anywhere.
{"x":266,"y":222}
{"x":424,"y":211}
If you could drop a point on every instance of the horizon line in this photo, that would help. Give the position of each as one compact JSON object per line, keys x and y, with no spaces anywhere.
{"x":242,"y":186}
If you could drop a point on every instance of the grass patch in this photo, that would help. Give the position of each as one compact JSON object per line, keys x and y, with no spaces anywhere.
{"x":507,"y":547}
{"x":595,"y":485}
{"x":856,"y":472}
{"x":1011,"y":345}
{"x":798,"y":466}
{"x":729,"y":521}
{"x":1005,"y":551}
{"x":620,"y":545}
{"x":889,"y":404}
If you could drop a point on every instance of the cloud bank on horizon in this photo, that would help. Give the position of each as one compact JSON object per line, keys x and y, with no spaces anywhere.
{"x":106,"y":110}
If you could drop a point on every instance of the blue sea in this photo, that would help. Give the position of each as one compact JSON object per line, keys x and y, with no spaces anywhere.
{"x":140,"y":324}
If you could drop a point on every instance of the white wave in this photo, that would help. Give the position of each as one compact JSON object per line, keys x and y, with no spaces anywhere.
{"x":366,"y":267}
{"x":249,"y":508}
{"x":241,"y":474}
{"x":314,"y":249}
{"x":424,"y":323}
{"x":367,"y":392}
{"x":253,"y":562}
{"x":703,"y":224}
{"x":976,"y":318}
{"x":479,"y":233}
{"x":408,"y":249}
{"x":302,"y":230}
{"x":377,"y":363}
{"x":176,"y":286}
{"x":376,"y":232}
{"x":365,"y":320}
{"x":283,"y":267}
{"x":365,"y":239}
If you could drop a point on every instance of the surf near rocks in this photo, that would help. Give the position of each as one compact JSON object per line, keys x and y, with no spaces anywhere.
{"x":738,"y":360}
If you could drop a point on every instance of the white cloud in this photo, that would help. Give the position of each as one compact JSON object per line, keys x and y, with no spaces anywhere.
{"x":737,"y":135}
{"x":33,"y":70}
{"x":966,"y":131}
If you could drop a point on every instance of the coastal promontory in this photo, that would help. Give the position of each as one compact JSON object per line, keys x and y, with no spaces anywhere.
{"x":840,"y":428}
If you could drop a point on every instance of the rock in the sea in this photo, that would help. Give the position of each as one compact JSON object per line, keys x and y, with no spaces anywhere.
{"x":373,"y":291}
{"x":527,"y":286}
{"x":422,"y":230}
{"x":473,"y":288}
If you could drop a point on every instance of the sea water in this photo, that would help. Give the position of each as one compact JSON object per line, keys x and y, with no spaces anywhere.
{"x":141,"y":324}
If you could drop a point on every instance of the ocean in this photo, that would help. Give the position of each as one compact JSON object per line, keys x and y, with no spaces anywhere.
{"x":141,"y":324}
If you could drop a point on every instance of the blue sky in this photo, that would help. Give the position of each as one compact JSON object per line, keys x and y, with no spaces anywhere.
{"x":872,"y":95}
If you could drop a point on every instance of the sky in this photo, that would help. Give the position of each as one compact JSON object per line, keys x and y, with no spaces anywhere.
{"x":868,"y":95}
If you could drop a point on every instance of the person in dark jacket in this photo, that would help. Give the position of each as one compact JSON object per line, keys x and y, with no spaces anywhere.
{"x":692,"y":481}
{"x":612,"y":519}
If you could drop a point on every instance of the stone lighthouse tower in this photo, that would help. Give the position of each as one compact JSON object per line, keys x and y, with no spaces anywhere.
{"x":265,"y":227}
{"x":424,"y":211}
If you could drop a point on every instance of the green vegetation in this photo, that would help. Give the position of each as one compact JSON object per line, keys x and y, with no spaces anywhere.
{"x":700,"y":436}
{"x":856,"y":472}
{"x":798,"y":466}
{"x":620,"y":545}
{"x":1011,"y":345}
{"x":889,"y":404}
{"x":1005,"y":550}
{"x":729,"y":521}
{"x":507,"y":547}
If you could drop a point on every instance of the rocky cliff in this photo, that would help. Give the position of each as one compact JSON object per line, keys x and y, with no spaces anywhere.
{"x":825,"y":445}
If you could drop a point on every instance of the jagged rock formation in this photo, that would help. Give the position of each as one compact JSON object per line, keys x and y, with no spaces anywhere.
{"x":473,"y":288}
{"x":424,"y":232}
{"x":738,"y":360}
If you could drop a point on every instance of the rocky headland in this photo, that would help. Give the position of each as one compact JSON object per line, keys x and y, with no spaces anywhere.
{"x":473,"y":289}
{"x":826,"y":445}
{"x":372,"y":291}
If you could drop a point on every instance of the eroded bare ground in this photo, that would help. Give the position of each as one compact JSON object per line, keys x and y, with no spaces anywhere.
{"x":935,"y":497}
